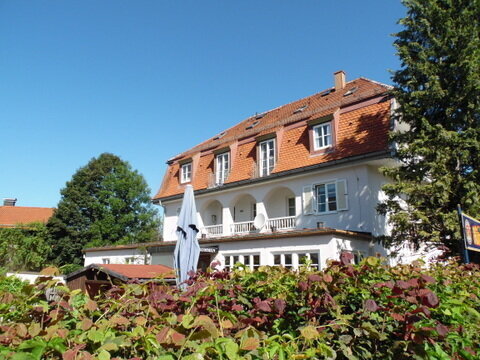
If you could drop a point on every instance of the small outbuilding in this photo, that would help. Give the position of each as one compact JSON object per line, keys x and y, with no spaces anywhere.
{"x":96,"y":278}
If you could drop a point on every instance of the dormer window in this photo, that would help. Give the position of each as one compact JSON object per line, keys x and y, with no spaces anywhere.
{"x":267,"y":157}
{"x":222,"y":163}
{"x":322,"y":136}
{"x":186,"y":173}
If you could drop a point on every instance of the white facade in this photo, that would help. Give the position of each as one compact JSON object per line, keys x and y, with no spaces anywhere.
{"x":117,"y":256}
{"x":227,"y":208}
{"x":290,"y":204}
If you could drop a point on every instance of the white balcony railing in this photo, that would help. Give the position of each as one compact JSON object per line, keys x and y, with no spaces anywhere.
{"x":281,"y":223}
{"x":213,"y":230}
{"x":242,"y":227}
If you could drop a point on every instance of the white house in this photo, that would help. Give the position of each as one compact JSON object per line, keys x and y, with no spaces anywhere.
{"x":300,"y":181}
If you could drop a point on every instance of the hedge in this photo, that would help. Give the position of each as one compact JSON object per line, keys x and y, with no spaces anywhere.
{"x":365,"y":311}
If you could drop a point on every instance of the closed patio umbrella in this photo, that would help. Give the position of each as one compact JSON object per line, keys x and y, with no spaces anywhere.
{"x":187,"y":249}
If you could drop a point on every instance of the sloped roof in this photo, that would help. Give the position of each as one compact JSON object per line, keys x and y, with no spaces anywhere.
{"x":363,"y":129}
{"x":133,"y":271}
{"x":16,"y":215}
{"x":129,"y":271}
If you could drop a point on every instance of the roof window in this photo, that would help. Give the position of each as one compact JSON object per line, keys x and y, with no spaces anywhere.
{"x":300,"y":109}
{"x":351,"y":91}
{"x":327,"y":92}
{"x":259,"y":116}
{"x":219,"y":136}
{"x":252,"y":125}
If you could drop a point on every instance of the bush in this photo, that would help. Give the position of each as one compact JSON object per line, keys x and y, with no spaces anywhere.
{"x":366,"y":311}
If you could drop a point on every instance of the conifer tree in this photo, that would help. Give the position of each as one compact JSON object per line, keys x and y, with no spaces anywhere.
{"x":438,"y":92}
{"x":105,"y":202}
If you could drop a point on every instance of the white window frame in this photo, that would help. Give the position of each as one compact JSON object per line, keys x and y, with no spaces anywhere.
{"x":327,"y":202}
{"x":322,"y":138}
{"x":241,"y":259}
{"x":222,"y":167}
{"x":295,"y":258}
{"x":186,"y":173}
{"x":268,"y":156}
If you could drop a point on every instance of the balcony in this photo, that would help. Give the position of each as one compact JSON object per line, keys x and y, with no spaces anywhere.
{"x":281,"y":223}
{"x":213,"y":230}
{"x":242,"y":227}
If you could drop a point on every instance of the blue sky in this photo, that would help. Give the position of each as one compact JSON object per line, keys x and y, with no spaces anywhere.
{"x":146,"y":80}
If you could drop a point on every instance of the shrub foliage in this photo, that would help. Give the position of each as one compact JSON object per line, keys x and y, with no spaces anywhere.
{"x":366,"y":311}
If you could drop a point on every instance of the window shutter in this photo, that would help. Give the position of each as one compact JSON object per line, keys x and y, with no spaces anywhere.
{"x":342,"y":195}
{"x":308,"y":200}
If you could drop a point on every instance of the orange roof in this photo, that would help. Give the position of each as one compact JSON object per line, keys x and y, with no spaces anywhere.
{"x":15,"y":215}
{"x":363,"y":125}
{"x":138,"y":271}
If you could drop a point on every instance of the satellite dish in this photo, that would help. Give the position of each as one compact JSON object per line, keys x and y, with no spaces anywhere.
{"x":259,"y":221}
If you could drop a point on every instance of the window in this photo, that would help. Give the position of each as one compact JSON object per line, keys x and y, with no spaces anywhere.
{"x":222,"y":168}
{"x":295,"y":260}
{"x":267,"y":157}
{"x":291,"y":206}
{"x":326,"y":196}
{"x":186,"y":173}
{"x":106,"y":260}
{"x":129,"y":260}
{"x":251,"y":261}
{"x":322,"y":136}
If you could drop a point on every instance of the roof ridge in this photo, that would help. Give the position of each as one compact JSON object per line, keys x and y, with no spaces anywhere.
{"x":375,"y":82}
{"x":25,"y":207}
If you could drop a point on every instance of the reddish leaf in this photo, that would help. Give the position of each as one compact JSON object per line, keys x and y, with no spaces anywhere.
{"x":280,"y":305}
{"x":371,"y":305}
{"x":402,"y":284}
{"x":237,"y":307}
{"x":250,"y":344}
{"x":163,"y":335}
{"x":430,"y":300}
{"x":327,"y":278}
{"x":346,"y":258}
{"x":314,"y":278}
{"x":263,"y":306}
{"x":442,"y":330}
{"x":303,"y":286}
{"x":427,"y":279}
{"x":398,"y":317}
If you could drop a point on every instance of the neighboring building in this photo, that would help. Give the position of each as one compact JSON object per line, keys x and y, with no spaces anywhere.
{"x":11,"y":215}
{"x":299,"y":181}
{"x":151,"y":253}
{"x":96,"y":277}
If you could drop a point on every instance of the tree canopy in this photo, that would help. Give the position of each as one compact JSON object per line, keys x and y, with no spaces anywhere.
{"x":438,"y":92}
{"x":24,"y":247}
{"x":105,"y":202}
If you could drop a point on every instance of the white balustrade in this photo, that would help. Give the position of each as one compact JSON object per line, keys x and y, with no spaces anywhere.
{"x":242,"y":227}
{"x":213,"y":230}
{"x":281,"y":223}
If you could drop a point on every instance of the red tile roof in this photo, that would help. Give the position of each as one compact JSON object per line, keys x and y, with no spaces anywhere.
{"x":362,"y":128}
{"x":139,"y":271}
{"x":15,"y":215}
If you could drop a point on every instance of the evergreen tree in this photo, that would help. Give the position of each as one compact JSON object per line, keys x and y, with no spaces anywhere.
{"x":104,"y":203}
{"x":438,"y":92}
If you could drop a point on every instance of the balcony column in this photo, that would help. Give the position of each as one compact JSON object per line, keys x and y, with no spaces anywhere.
{"x":227,"y":220}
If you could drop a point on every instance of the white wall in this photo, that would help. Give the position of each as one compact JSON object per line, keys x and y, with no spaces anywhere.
{"x":329,"y":248}
{"x":32,"y":277}
{"x":115,"y":256}
{"x":363,"y":184}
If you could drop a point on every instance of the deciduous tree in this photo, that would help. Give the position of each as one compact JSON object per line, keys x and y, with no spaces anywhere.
{"x":105,"y":202}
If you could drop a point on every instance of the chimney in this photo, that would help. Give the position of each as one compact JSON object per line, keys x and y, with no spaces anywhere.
{"x":339,"y":80}
{"x":9,"y":202}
